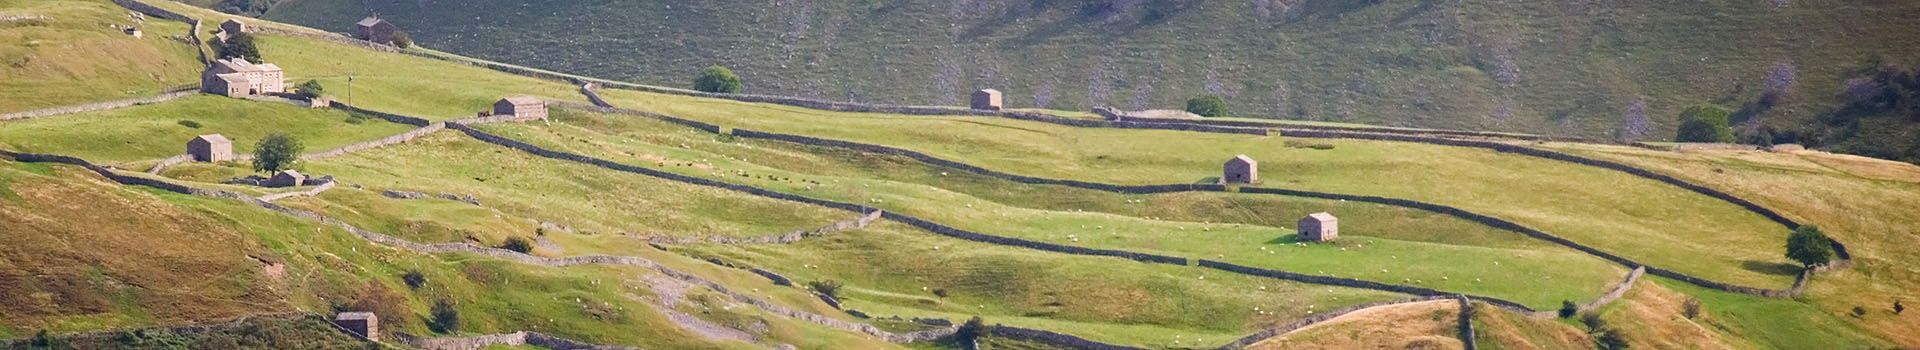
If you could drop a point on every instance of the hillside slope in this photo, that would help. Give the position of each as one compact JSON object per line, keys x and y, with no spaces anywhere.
{"x":50,"y":54}
{"x":1570,"y":68}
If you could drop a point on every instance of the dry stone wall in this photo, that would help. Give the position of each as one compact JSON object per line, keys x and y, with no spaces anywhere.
{"x":169,"y":95}
{"x":1289,"y":327}
{"x":1068,"y":341}
{"x":362,"y":146}
{"x":1617,"y":291}
{"x":1466,"y":323}
{"x":788,"y":238}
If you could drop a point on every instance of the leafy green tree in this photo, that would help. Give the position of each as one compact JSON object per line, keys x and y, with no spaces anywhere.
{"x":310,"y":89}
{"x":1705,"y":123}
{"x":717,"y":79}
{"x":276,"y":152}
{"x":828,"y":287}
{"x":237,"y":45}
{"x":1207,"y":106}
{"x":1568,"y":309}
{"x":1809,"y":246}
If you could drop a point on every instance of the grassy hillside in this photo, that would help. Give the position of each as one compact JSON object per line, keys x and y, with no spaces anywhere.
{"x":51,"y":54}
{"x":1556,"y":68}
{"x":225,"y":258}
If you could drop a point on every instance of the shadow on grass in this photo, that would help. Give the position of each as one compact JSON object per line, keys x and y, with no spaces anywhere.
{"x":1771,"y":268}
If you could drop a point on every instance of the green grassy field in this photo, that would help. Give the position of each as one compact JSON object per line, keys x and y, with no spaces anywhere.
{"x":1638,"y":218}
{"x":1360,"y":255}
{"x":157,"y":131}
{"x":52,"y":54}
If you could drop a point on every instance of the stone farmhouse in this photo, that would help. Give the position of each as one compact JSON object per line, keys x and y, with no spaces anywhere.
{"x":365,"y":324}
{"x":376,"y":30}
{"x":1319,"y":227}
{"x":521,"y":107}
{"x":235,"y":77}
{"x":1241,"y":169}
{"x":986,"y":99}
{"x":210,"y":148}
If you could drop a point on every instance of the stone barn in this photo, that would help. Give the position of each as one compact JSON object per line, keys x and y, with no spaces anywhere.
{"x":377,"y":30}
{"x":320,"y":102}
{"x":210,"y":148}
{"x":287,"y":178}
{"x":1319,"y":227}
{"x":1242,"y":170}
{"x":986,"y":99}
{"x":365,"y":324}
{"x":233,"y":26}
{"x":235,"y":77}
{"x":521,"y":107}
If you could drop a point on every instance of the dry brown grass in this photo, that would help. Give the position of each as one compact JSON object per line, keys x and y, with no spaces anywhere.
{"x":84,"y":253}
{"x":1654,"y":318}
{"x":1495,"y":328}
{"x":1424,"y":325}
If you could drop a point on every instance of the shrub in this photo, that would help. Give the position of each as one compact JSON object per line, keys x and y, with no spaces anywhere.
{"x":237,"y":45}
{"x":1897,"y":308}
{"x":276,"y":152}
{"x":309,"y":89}
{"x":1704,"y":123}
{"x":190,"y":124}
{"x":829,"y":287}
{"x":972,"y":330}
{"x":1207,"y":106}
{"x":1809,"y":246}
{"x":446,"y":319}
{"x":402,"y":40}
{"x":1568,"y":309}
{"x":518,"y":244}
{"x":942,"y":292}
{"x":1612,"y":339}
{"x":1691,"y":308}
{"x":41,"y":339}
{"x":1859,"y":311}
{"x":718,"y":79}
{"x":414,"y":279}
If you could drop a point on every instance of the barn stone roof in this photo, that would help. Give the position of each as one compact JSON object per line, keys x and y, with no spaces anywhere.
{"x":990,"y":91}
{"x":234,"y":78}
{"x":1322,"y":217}
{"x":523,"y":100}
{"x":1246,"y":159}
{"x":370,"y":21}
{"x":354,"y":316}
{"x":214,"y":139}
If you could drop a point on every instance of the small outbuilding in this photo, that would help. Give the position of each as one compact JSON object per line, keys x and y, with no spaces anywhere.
{"x":232,"y":27}
{"x":377,"y":30}
{"x":986,"y":99}
{"x":364,"y":324}
{"x":320,"y":102}
{"x":287,"y":178}
{"x":1319,"y":227}
{"x":135,"y":32}
{"x":1241,"y":170}
{"x":210,"y":148}
{"x":521,"y":107}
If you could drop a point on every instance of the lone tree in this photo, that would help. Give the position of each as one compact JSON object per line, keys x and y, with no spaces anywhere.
{"x":518,"y":244}
{"x":276,"y":152}
{"x":310,"y":89}
{"x":717,"y":79}
{"x":1809,"y":246}
{"x":972,"y":330}
{"x":237,"y":45}
{"x":1705,"y":123}
{"x":1207,"y":106}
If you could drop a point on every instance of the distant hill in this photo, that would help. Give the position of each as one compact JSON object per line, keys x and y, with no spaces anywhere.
{"x":1563,"y":67}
